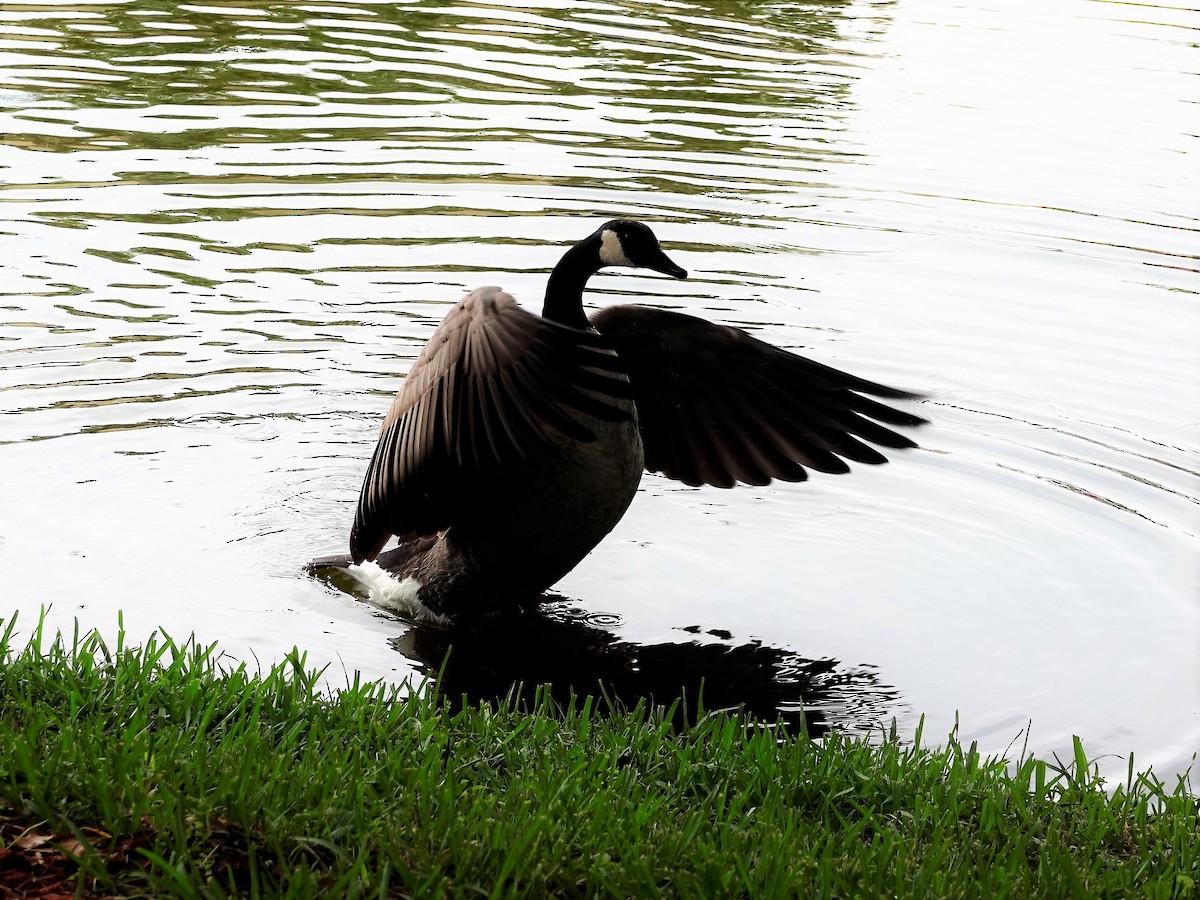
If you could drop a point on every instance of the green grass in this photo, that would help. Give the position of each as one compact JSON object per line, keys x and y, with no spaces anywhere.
{"x":157,"y":770}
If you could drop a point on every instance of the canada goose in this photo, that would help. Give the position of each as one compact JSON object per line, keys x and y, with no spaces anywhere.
{"x":517,"y":441}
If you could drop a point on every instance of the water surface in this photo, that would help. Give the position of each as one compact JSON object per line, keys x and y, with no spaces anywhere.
{"x":227,"y":228}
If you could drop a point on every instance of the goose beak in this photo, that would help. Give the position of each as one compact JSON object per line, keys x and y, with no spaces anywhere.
{"x":660,"y":263}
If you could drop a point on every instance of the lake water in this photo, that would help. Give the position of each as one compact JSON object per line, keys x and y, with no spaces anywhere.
{"x":227,"y":228}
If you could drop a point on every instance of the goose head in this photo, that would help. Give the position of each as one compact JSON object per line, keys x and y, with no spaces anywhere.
{"x":620,"y":242}
{"x":624,"y":242}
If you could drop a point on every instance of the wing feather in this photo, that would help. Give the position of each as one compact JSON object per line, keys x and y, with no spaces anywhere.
{"x":495,"y":386}
{"x":718,"y":406}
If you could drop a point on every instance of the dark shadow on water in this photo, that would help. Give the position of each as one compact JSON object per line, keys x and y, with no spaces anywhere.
{"x":569,"y":653}
{"x":565,"y":652}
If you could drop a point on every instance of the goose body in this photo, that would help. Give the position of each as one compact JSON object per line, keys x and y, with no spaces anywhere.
{"x":518,"y":441}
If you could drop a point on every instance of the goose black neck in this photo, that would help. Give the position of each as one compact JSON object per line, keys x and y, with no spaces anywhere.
{"x":564,"y":290}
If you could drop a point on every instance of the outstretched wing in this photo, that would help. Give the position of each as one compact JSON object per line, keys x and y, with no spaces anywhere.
{"x":488,"y":392}
{"x":717,"y":406}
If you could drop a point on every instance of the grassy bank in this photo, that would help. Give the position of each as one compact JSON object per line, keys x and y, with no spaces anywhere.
{"x":156,"y":770}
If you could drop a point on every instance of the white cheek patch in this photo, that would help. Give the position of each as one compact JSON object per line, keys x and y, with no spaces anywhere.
{"x":611,"y":251}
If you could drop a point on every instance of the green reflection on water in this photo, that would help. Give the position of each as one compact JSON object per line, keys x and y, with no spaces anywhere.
{"x":717,"y":67}
{"x":188,"y":153}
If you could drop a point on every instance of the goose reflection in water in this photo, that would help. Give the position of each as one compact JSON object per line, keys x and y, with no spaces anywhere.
{"x":560,"y":651}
